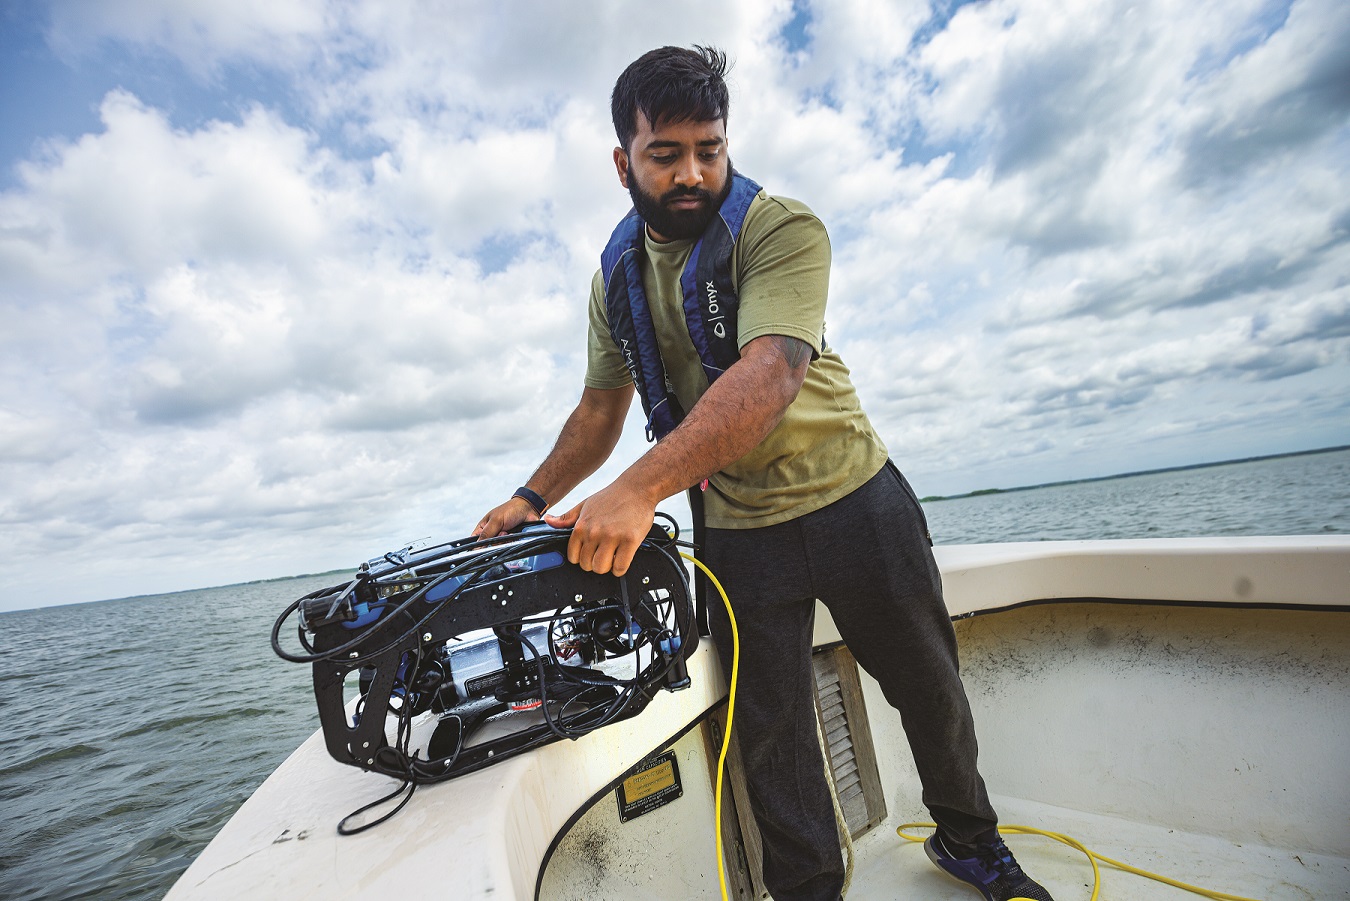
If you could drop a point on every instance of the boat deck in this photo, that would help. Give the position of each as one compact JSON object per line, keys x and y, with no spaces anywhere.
{"x":1191,"y":694}
{"x":890,"y":867}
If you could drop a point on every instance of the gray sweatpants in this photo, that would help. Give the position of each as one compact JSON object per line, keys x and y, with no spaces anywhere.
{"x":868,"y":558}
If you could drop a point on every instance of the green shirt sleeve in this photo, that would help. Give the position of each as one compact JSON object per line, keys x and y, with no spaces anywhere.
{"x":783,"y":263}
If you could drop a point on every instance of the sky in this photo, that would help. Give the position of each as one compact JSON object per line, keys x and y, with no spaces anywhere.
{"x":286,"y":284}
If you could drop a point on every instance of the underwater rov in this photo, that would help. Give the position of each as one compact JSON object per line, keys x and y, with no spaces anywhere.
{"x":502,"y":641}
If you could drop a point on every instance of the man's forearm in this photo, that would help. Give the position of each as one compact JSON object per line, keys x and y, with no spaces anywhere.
{"x":732,"y":417}
{"x":584,"y":444}
{"x":729,"y":420}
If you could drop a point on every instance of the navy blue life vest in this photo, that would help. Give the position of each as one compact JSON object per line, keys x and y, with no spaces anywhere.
{"x":710,"y":304}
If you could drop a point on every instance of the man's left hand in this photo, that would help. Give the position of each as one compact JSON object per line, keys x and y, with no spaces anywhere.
{"x":607,"y":528}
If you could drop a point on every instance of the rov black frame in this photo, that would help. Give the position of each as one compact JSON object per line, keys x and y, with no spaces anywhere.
{"x":395,"y":620}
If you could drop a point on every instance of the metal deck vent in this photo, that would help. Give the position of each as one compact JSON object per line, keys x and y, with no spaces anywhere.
{"x":853,"y":759}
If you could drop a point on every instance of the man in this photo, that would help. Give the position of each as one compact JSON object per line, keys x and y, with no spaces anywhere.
{"x":711,"y":300}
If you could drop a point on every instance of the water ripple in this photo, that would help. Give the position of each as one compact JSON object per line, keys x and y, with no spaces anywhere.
{"x":128,"y":758}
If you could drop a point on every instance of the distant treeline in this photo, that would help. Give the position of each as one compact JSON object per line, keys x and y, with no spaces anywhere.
{"x":1126,"y":475}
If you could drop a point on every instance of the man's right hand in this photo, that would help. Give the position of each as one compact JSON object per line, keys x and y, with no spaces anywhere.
{"x":505,"y":517}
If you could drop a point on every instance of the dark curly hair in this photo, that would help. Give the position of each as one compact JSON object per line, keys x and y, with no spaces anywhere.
{"x":674,"y":84}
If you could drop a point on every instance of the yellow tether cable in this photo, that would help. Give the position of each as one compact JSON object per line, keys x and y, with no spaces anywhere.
{"x":731,"y":711}
{"x":1092,"y":857}
{"x":726,"y":745}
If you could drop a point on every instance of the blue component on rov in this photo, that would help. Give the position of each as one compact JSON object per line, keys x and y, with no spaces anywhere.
{"x":365,"y":615}
{"x":537,"y":563}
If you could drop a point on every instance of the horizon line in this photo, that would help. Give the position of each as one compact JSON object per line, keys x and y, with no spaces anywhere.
{"x":980,"y":492}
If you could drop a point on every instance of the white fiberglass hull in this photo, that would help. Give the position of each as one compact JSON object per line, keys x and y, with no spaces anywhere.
{"x":1184,"y":705}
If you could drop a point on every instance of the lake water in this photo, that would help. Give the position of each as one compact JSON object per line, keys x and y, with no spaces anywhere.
{"x":135,"y":728}
{"x":1303,"y":495}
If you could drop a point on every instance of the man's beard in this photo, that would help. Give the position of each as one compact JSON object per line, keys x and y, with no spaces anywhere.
{"x":675,"y":225}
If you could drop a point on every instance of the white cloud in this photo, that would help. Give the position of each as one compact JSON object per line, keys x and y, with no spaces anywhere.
{"x":142,"y":195}
{"x":1069,"y":239}
{"x":200,"y":34}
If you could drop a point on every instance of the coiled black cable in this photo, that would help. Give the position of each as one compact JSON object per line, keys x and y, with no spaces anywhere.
{"x":474,"y":562}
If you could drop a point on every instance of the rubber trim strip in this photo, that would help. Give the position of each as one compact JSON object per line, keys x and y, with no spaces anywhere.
{"x":1144,"y":602}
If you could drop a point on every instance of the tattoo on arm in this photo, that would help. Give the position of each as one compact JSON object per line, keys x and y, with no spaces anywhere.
{"x":794,"y":350}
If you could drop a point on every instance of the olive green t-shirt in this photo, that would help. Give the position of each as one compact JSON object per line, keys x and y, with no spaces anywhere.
{"x":825,"y":446}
